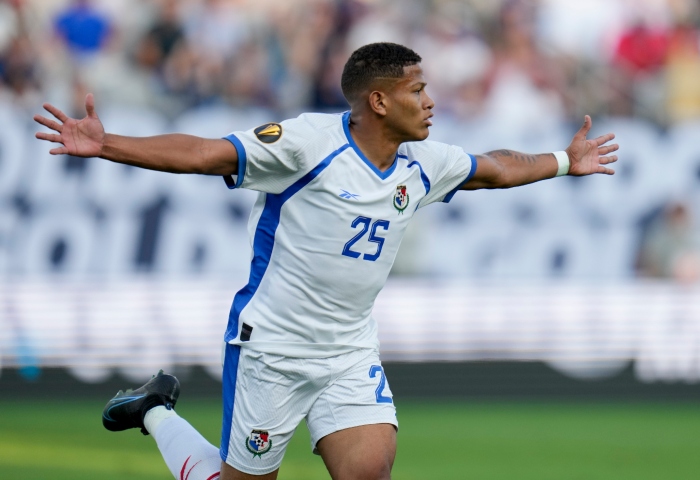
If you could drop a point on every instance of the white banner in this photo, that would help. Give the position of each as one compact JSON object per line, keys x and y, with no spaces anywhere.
{"x":140,"y":324}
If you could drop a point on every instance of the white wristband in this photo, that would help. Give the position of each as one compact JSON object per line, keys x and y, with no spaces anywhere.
{"x":563,"y":161}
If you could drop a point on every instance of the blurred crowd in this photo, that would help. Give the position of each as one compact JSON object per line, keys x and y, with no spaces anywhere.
{"x":483,"y":58}
{"x":494,"y":67}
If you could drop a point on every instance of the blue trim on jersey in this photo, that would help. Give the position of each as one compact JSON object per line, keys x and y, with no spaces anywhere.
{"x":264,"y":241}
{"x":423,"y":176}
{"x":472,"y":171}
{"x":241,"y":162}
{"x":351,"y":141}
{"x":231,"y":357}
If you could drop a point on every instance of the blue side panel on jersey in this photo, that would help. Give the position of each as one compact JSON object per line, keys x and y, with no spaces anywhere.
{"x":472,"y":171}
{"x":423,"y":176}
{"x":231,"y":356}
{"x":264,"y":241}
{"x":241,"y":162}
{"x":351,"y":141}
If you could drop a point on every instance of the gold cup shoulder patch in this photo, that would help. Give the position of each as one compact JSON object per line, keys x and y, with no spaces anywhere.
{"x":269,"y":133}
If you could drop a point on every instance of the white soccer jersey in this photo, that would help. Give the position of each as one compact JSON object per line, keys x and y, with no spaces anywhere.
{"x":325,"y":231}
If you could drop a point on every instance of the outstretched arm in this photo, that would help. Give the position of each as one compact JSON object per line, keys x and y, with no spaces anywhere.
{"x":506,"y":168}
{"x":175,"y":153}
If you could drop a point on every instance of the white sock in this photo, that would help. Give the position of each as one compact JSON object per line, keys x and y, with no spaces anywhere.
{"x":186,"y":452}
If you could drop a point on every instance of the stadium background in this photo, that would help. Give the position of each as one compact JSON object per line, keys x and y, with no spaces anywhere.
{"x":550,"y":331}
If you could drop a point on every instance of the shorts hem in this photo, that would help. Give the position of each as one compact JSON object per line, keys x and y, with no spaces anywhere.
{"x":249,"y":470}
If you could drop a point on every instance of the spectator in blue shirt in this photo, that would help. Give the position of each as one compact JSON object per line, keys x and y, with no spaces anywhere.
{"x":83,"y":28}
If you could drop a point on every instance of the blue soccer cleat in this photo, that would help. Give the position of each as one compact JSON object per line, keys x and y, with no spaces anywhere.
{"x":127,"y":409}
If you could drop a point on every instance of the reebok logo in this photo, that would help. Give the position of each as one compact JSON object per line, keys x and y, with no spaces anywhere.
{"x":348,"y":195}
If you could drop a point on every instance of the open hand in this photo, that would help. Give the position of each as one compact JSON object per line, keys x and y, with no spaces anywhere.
{"x":590,"y":156}
{"x":80,"y":138}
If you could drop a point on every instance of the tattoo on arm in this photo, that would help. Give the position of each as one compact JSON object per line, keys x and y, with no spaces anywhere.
{"x":499,"y":153}
{"x":521,"y":157}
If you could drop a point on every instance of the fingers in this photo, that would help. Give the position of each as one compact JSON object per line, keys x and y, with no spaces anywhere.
{"x":48,"y":123}
{"x":55,"y":112}
{"x":607,"y":160}
{"x":585,"y":128}
{"x":604,"y":138}
{"x":90,"y":105}
{"x":608,"y":149}
{"x":50,"y":137}
{"x":59,"y":151}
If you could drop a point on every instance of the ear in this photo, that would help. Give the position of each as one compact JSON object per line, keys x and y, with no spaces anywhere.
{"x":379,"y":102}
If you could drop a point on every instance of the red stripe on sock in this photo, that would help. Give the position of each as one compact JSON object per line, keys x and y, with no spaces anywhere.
{"x":190,"y":470}
{"x":182,"y":472}
{"x":184,"y":466}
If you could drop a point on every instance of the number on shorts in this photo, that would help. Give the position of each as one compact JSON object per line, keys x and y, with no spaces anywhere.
{"x":373,"y":370}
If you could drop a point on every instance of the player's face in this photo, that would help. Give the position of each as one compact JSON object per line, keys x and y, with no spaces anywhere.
{"x":410,"y":107}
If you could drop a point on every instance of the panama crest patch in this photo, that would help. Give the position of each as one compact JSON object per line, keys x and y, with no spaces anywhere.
{"x":269,"y":133}
{"x":258,"y":443}
{"x":401,"y":198}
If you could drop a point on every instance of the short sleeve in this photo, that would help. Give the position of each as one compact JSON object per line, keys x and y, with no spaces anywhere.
{"x":269,"y":156}
{"x":447,"y":168}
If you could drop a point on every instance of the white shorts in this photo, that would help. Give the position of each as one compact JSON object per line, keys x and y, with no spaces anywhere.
{"x":266,"y":396}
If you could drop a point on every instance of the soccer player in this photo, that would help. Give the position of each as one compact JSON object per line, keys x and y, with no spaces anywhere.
{"x":336,"y":194}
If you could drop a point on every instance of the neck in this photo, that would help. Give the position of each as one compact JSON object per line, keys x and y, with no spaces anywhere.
{"x":370,"y":137}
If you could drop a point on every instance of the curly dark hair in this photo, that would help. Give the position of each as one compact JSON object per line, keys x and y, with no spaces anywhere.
{"x":376,"y":60}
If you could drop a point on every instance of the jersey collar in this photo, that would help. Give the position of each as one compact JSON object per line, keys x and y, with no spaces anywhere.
{"x":351,"y":141}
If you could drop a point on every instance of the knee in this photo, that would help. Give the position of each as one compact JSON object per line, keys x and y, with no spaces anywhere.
{"x":369,"y":469}
{"x":380,"y":471}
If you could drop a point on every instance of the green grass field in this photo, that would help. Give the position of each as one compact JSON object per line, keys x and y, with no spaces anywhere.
{"x":41,"y":440}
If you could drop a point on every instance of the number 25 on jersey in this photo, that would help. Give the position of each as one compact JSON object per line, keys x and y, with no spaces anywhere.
{"x":365,"y":222}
